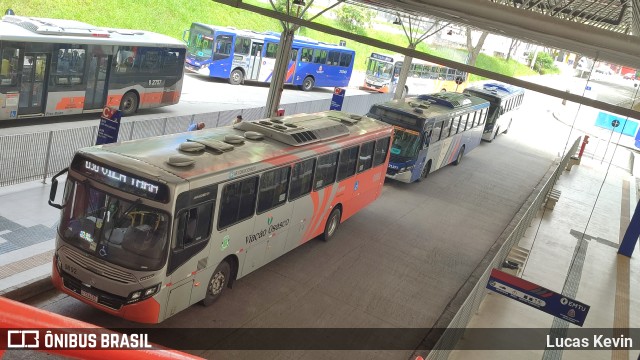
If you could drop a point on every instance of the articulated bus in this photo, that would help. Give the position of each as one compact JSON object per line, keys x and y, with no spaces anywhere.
{"x":238,"y":55}
{"x":55,"y":67}
{"x":424,"y":77}
{"x":431,"y":131}
{"x":504,"y":100}
{"x":149,"y":227}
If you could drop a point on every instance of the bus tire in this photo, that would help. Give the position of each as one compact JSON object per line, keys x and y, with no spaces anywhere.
{"x":425,"y":171}
{"x":236,"y":77}
{"x":333,"y":222}
{"x":307,"y":84}
{"x":460,"y":155}
{"x":129,"y":103}
{"x":217,"y":284}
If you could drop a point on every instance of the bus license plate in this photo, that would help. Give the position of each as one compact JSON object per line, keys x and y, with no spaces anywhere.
{"x":89,"y":296}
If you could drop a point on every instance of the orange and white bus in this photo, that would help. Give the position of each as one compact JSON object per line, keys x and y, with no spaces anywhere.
{"x":51,"y":67}
{"x":151,"y":226}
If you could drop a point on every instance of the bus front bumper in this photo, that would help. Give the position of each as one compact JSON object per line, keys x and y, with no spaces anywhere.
{"x":146,"y":311}
{"x":404,"y":176}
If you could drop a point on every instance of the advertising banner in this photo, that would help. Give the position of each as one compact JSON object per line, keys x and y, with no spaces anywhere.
{"x":338,"y":98}
{"x":538,"y":297}
{"x":109,"y":126}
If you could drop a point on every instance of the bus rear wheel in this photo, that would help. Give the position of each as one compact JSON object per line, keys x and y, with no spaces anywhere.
{"x":217,"y":284}
{"x":307,"y":84}
{"x":236,"y":77}
{"x":332,"y":224}
{"x":129,"y":103}
{"x":460,"y":155}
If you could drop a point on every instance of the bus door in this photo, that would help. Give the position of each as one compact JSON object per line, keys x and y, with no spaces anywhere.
{"x":32,"y":83}
{"x":96,"y":93}
{"x":255,"y":60}
{"x":291,"y":66}
{"x":422,"y":159}
{"x":222,"y":59}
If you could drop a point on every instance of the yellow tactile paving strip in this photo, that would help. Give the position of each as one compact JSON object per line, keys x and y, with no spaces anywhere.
{"x":25,"y":264}
{"x":621,"y":308}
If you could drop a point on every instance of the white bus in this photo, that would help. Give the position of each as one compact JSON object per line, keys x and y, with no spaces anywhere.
{"x":53,"y":67}
{"x":431,"y":131}
{"x":504,"y":101}
{"x":149,"y":227}
{"x":424,"y":77}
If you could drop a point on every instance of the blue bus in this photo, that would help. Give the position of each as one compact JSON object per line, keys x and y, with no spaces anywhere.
{"x":238,"y":55}
{"x":504,"y":100}
{"x":431,"y":131}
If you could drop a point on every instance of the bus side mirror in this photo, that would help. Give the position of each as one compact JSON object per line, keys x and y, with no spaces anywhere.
{"x":54,"y":189}
{"x":185,"y":36}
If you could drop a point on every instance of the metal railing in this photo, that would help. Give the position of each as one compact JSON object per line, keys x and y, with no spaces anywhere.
{"x":35,"y":156}
{"x":447,"y":335}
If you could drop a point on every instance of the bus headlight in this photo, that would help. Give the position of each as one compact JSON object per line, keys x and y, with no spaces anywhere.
{"x":143,"y":294}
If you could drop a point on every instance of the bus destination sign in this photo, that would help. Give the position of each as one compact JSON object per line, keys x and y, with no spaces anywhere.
{"x":381,"y":57}
{"x":125,"y":182}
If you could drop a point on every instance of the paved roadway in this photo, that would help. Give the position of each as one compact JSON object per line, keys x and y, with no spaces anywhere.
{"x":397,"y":263}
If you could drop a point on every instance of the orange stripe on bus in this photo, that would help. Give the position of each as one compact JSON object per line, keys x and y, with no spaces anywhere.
{"x":67,"y":103}
{"x":151,"y":98}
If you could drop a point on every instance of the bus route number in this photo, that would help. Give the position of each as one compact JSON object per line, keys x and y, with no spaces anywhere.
{"x":156,"y":82}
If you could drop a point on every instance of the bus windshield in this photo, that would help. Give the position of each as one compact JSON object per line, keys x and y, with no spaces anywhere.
{"x":406,"y":144}
{"x":125,"y":233}
{"x":379,"y":69}
{"x":200,"y":42}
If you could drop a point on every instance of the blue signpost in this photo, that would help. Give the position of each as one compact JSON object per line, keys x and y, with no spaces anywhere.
{"x":109,"y":126}
{"x":337,"y":99}
{"x":538,"y":297}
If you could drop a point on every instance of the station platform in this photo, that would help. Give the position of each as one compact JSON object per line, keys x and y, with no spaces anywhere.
{"x":572,"y":249}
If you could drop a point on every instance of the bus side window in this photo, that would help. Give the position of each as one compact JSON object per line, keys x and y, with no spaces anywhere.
{"x":347,"y":164}
{"x":437,"y":130}
{"x":320,"y":56}
{"x":366,"y":156}
{"x":333,"y":58}
{"x":301,"y":178}
{"x":455,"y":122}
{"x":273,"y":189}
{"x":194,"y":225}
{"x":380,"y":154}
{"x":326,"y":169}
{"x":307,"y":55}
{"x":237,"y":202}
{"x":463,"y":122}
{"x":345,"y":59}
{"x":473,"y":117}
{"x":446,"y":129}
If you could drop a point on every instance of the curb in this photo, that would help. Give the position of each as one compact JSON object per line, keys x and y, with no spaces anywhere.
{"x":28,"y":289}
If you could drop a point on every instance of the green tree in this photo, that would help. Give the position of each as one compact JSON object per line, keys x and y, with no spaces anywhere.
{"x":354,"y":18}
{"x":544,"y":64}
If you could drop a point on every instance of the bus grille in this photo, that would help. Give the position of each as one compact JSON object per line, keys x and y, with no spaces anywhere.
{"x":104,"y":298}
{"x":98,"y":268}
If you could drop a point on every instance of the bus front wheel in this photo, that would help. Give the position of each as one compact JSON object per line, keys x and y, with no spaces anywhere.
{"x":425,"y":171}
{"x":308,"y":83}
{"x":332,"y":224}
{"x":129,"y":103}
{"x":236,"y":77}
{"x":217,"y":284}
